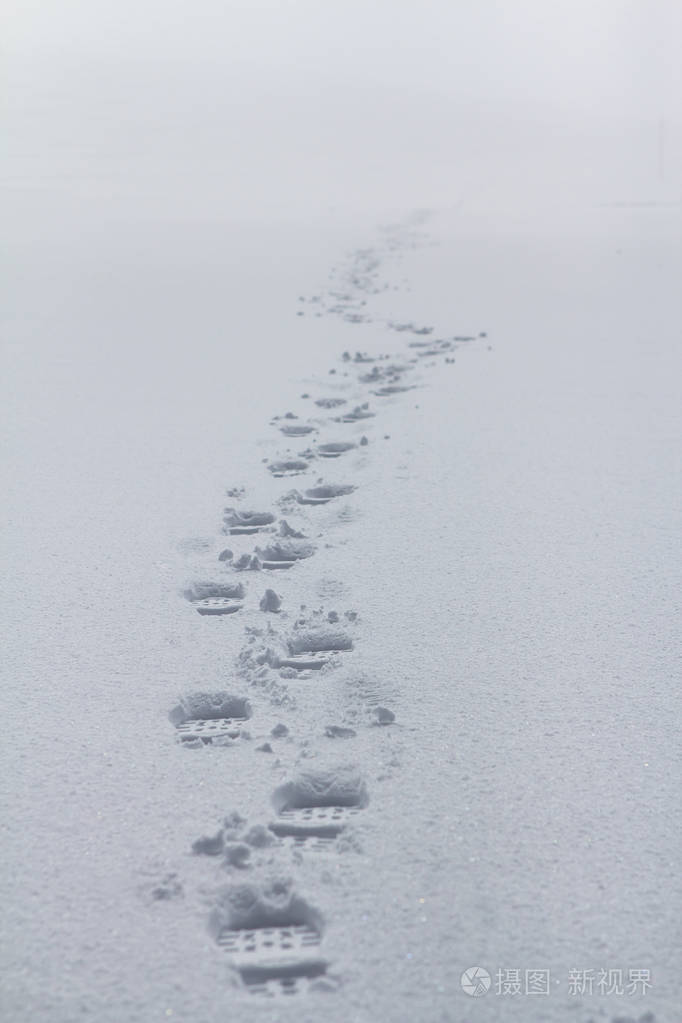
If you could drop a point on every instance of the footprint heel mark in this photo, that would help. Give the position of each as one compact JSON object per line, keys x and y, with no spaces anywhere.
{"x":334,"y":449}
{"x":217,"y":606}
{"x":288,"y":467}
{"x":319,"y":804}
{"x":203,"y":717}
{"x":215,"y":598}
{"x":323,"y":494}
{"x":238,"y":523}
{"x":272,"y":936}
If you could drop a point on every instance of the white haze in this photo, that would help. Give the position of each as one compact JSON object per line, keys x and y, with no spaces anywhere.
{"x":254,"y":109}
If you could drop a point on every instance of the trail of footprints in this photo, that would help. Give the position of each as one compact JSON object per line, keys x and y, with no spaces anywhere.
{"x":272,"y":936}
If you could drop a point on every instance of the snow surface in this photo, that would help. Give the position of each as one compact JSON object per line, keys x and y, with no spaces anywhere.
{"x":502,"y":577}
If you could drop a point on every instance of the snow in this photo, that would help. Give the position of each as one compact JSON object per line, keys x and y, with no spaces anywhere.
{"x":497,"y":580}
{"x":342,"y":496}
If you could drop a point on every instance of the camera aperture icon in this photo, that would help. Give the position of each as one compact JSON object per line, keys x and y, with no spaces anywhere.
{"x":475,"y":981}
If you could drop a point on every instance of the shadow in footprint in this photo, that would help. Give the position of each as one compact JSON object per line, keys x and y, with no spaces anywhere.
{"x":288,"y":467}
{"x":323,"y":494}
{"x":202,"y":717}
{"x":310,"y":650}
{"x":319,"y":803}
{"x":334,"y":449}
{"x":272,"y":936}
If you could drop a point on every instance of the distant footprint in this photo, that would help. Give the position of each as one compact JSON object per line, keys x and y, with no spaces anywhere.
{"x":215,"y":598}
{"x":389,"y":373}
{"x":335,"y":449}
{"x":358,"y":357}
{"x":359,"y":412}
{"x":325,"y":493}
{"x":296,"y":430}
{"x":409,"y":327}
{"x":245,"y":522}
{"x":288,"y":467}
{"x":202,"y":717}
{"x":384,"y":392}
{"x":331,"y":402}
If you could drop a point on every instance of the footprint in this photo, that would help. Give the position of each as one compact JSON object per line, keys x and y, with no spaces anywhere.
{"x":203,"y":717}
{"x":390,"y":373}
{"x":331,"y":402}
{"x":359,"y":412}
{"x":319,"y":641}
{"x":296,"y":431}
{"x":358,"y":357}
{"x":272,"y":936}
{"x":325,"y":493}
{"x":383,"y":392}
{"x":215,"y":598}
{"x":403,"y":327}
{"x":284,"y":553}
{"x":334,"y":449}
{"x":308,"y":650}
{"x":319,"y":803}
{"x":245,"y":522}
{"x":288,"y":467}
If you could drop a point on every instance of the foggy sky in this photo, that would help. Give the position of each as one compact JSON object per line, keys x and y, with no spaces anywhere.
{"x":298,"y":104}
